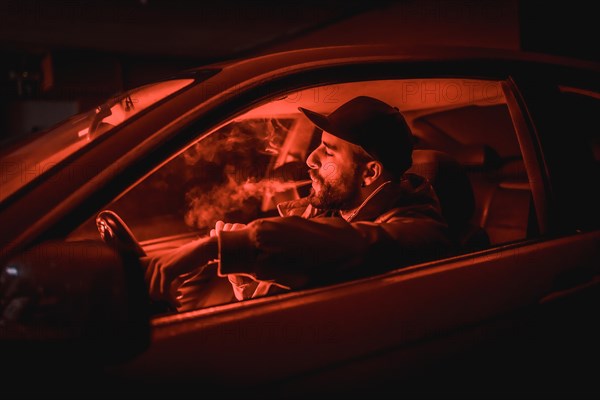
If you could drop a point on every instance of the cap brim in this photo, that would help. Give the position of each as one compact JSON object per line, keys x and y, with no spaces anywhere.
{"x":320,"y":120}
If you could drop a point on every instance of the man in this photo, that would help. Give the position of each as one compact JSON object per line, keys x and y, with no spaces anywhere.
{"x":364,"y":215}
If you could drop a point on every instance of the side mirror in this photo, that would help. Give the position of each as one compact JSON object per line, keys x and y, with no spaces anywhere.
{"x":78,"y":301}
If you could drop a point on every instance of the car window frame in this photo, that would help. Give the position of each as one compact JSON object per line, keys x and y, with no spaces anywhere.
{"x":527,"y":145}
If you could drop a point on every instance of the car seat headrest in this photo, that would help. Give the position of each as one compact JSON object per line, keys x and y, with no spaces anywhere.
{"x":478,"y":157}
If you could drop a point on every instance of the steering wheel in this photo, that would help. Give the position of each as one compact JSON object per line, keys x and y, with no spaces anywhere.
{"x":115,"y":232}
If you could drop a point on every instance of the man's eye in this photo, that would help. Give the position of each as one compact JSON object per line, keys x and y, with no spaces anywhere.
{"x":328,"y":154}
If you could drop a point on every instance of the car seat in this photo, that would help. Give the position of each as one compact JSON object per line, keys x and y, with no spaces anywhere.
{"x":507,"y":206}
{"x":455,"y":194}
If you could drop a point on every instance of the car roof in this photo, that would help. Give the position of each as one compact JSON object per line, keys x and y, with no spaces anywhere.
{"x":401,"y":52}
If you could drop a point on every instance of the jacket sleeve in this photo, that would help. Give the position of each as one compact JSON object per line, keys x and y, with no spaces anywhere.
{"x":294,"y":251}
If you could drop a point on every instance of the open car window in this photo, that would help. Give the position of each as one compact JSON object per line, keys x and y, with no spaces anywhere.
{"x":242,"y":170}
{"x":239,"y":172}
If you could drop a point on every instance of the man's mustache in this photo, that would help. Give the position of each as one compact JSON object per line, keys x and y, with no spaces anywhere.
{"x":315,"y":176}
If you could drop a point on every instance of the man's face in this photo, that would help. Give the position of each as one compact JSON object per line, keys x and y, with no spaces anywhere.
{"x":335,"y":174}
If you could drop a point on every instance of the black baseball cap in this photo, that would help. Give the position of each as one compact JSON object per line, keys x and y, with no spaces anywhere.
{"x":377,"y":127}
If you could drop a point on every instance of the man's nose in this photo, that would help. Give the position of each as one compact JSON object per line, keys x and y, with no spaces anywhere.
{"x":313,"y":160}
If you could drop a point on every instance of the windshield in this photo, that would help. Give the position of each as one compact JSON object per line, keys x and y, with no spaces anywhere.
{"x":33,"y":156}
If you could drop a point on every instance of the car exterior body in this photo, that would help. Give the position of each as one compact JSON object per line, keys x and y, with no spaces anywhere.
{"x":482,"y":320}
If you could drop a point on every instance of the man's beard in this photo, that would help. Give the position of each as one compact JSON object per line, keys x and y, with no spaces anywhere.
{"x":341,"y":196}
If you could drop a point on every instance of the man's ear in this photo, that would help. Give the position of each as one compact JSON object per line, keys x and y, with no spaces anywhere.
{"x":373,"y":170}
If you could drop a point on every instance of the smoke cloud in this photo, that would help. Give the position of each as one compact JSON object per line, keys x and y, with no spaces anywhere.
{"x":231,"y":173}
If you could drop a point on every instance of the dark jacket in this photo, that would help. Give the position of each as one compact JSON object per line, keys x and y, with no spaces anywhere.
{"x":400,"y":225}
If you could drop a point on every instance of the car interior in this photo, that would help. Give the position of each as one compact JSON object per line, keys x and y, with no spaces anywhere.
{"x":501,"y":204}
{"x":465,"y":145}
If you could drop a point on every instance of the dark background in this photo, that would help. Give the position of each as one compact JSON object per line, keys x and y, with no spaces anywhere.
{"x":62,"y":57}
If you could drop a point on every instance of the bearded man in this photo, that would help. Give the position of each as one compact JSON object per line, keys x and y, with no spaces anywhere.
{"x":364,"y":215}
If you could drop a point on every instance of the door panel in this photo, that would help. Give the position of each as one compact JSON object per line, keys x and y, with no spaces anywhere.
{"x":295,"y":334}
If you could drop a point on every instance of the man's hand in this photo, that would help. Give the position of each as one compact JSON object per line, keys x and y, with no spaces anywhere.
{"x":192,"y":257}
{"x":222,"y":226}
